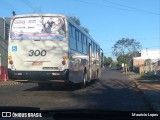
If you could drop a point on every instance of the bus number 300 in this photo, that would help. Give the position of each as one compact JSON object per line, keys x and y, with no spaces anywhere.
{"x":37,"y":53}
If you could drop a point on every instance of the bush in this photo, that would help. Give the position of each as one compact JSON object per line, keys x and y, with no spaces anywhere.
{"x":136,"y":69}
{"x":149,"y":77}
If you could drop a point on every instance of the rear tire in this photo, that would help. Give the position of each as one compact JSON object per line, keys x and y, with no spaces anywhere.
{"x":97,"y":74}
{"x":84,"y":82}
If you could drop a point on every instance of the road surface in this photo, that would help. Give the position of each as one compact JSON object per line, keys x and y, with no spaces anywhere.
{"x":113,"y":92}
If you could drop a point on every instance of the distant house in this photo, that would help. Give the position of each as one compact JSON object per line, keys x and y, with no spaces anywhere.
{"x":149,"y":61}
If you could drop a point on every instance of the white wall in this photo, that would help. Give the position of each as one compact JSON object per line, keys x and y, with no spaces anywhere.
{"x":150,"y":54}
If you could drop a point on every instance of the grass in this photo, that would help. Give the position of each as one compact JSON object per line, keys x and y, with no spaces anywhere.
{"x":149,"y":77}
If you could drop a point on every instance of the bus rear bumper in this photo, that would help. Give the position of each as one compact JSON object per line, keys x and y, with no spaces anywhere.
{"x":58,"y":76}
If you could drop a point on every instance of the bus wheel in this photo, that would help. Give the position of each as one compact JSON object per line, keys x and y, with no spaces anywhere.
{"x":84,"y":82}
{"x":97,"y":74}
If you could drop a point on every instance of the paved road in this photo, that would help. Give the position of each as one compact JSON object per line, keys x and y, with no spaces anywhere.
{"x":113,"y":91}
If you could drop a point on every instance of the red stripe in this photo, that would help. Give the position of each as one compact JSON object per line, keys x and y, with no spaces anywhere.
{"x":32,"y":34}
{"x":3,"y":73}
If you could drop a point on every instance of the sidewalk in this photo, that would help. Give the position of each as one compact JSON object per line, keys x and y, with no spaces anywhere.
{"x":150,"y":88}
{"x":8,"y":83}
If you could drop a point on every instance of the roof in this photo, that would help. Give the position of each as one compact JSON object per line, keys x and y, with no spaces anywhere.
{"x":59,"y":15}
{"x":27,"y":15}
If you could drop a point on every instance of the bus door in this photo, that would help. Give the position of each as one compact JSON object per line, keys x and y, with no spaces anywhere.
{"x":90,"y":61}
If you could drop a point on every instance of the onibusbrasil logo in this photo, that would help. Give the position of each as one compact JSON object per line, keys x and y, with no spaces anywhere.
{"x":19,"y":114}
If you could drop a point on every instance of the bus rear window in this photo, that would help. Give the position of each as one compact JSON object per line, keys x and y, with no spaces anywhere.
{"x":38,"y":28}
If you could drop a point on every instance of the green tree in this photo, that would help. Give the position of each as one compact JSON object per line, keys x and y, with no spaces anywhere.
{"x":78,"y":22}
{"x":107,"y":61}
{"x":123,"y":59}
{"x":85,"y":29}
{"x":114,"y":63}
{"x":126,"y":46}
{"x":125,"y":49}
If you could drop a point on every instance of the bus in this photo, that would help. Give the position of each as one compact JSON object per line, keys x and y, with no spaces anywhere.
{"x":47,"y":48}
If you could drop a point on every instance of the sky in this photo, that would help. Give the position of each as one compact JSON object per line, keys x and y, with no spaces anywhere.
{"x":107,"y":20}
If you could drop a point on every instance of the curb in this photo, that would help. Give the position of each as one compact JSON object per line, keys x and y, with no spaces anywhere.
{"x":147,"y":101}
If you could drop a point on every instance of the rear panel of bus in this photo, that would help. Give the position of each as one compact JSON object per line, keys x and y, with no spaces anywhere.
{"x":38,"y":44}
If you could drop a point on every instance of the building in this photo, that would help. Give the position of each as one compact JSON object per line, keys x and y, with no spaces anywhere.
{"x":149,"y":61}
{"x":4,"y":34}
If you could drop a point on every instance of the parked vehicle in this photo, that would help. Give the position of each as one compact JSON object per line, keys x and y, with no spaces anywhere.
{"x":119,"y":67}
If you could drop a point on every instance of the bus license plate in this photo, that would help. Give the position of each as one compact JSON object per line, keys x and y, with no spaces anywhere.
{"x":37,"y":63}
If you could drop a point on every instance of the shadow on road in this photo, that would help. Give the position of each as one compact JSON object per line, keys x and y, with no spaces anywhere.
{"x":114,"y":91}
{"x":62,"y":87}
{"x":149,"y":81}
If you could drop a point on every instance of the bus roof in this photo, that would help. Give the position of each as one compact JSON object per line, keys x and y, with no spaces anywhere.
{"x":28,"y":15}
{"x":59,"y":15}
{"x":81,"y":29}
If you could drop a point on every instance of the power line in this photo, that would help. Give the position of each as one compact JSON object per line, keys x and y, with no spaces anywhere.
{"x":9,"y":6}
{"x":133,"y":8}
{"x":90,"y":3}
{"x":123,"y":7}
{"x":28,"y":4}
{"x":31,"y":6}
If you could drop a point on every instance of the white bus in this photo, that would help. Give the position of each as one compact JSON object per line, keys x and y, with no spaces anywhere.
{"x":51,"y":48}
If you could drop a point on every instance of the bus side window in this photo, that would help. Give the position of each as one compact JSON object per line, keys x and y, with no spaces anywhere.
{"x":82,"y":41}
{"x":72,"y":40}
{"x":92,"y":49}
{"x":96,"y":51}
{"x":77,"y":35}
{"x":70,"y":31}
{"x":74,"y":32}
{"x":85,"y":45}
{"x":78,"y":39}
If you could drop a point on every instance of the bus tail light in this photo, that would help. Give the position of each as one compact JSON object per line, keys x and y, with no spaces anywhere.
{"x":63,"y":62}
{"x":65,"y":58}
{"x":11,"y":62}
{"x":9,"y":57}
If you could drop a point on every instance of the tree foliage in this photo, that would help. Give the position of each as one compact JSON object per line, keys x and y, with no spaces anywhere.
{"x":126,"y":46}
{"x":125,"y":49}
{"x":123,"y":59}
{"x":107,"y":61}
{"x":77,"y":21}
{"x":85,"y":29}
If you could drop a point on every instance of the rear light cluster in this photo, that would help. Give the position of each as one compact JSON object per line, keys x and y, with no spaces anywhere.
{"x":64,"y":60}
{"x":10,"y":60}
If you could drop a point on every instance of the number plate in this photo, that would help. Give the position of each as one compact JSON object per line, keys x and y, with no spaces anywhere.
{"x":37,"y":63}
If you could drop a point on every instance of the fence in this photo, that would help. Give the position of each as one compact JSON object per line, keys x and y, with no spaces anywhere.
{"x":153,"y":67}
